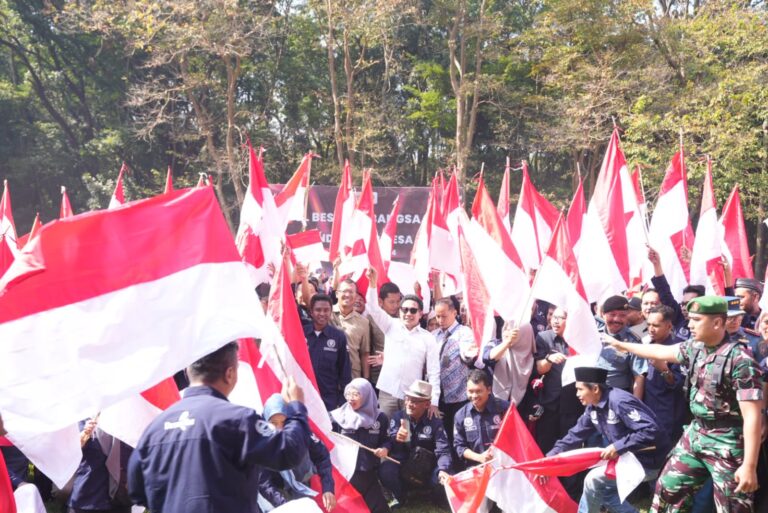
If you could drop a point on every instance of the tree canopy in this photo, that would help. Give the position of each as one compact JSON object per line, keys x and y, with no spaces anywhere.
{"x":405,"y":87}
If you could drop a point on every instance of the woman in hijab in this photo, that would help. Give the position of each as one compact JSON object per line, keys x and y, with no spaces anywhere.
{"x":360,"y":419}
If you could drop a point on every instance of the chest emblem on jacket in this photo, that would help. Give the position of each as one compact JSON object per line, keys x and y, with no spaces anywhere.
{"x":183,"y":423}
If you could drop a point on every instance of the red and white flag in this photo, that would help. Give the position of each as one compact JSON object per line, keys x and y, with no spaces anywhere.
{"x":635,"y":224}
{"x":259,"y":234}
{"x":36,"y":226}
{"x":307,"y":247}
{"x":559,"y":282}
{"x":102,"y":306}
{"x":118,"y":197}
{"x":498,"y":260}
{"x":735,"y":245}
{"x":476,"y":294}
{"x":387,"y":239}
{"x":503,"y":204}
{"x":342,"y":213}
{"x":707,"y":248}
{"x":443,"y":244}
{"x":66,"y":208}
{"x":605,"y":265}
{"x":575,"y":219}
{"x":510,"y":488}
{"x":670,"y":232}
{"x":535,"y":218}
{"x":9,"y":245}
{"x":292,"y":200}
{"x":466,"y":490}
{"x":420,"y":251}
{"x":168,"y":181}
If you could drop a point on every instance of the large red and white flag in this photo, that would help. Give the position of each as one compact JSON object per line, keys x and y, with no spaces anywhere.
{"x":118,"y":197}
{"x":635,"y":224}
{"x":604,"y":261}
{"x":735,"y":245}
{"x":499,"y":262}
{"x":102,"y":306}
{"x":514,"y":490}
{"x":575,"y":219}
{"x":466,"y":490}
{"x":259,"y":234}
{"x":476,"y":295}
{"x":387,"y":239}
{"x":503,"y":203}
{"x":707,"y":248}
{"x":535,"y":218}
{"x":559,"y":282}
{"x":670,"y":232}
{"x":307,"y":247}
{"x":420,"y":251}
{"x":292,"y":200}
{"x":443,"y":243}
{"x":66,"y":207}
{"x":36,"y":226}
{"x":9,"y":245}
{"x":342,"y":213}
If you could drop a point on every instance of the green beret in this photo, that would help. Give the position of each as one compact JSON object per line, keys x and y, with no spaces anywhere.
{"x":708,"y":305}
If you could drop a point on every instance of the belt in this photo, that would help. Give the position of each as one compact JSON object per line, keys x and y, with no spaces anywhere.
{"x":727,"y":422}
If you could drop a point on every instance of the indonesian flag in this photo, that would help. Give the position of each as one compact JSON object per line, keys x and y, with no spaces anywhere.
{"x":66,"y":208}
{"x":7,"y":502}
{"x":635,"y":226}
{"x":476,"y":295}
{"x":307,"y":247}
{"x":102,"y":306}
{"x":514,"y":490}
{"x":420,"y":251}
{"x":387,"y":239}
{"x":118,"y":197}
{"x":535,"y":218}
{"x":36,"y":226}
{"x":707,"y":248}
{"x":168,"y":181}
{"x":576,"y":214}
{"x":735,"y":244}
{"x":670,"y":233}
{"x":8,"y":244}
{"x":291,"y":200}
{"x":558,"y":282}
{"x":626,"y":469}
{"x":443,"y":245}
{"x":342,"y":213}
{"x":466,"y":490}
{"x":498,"y":261}
{"x":637,"y":185}
{"x":259,"y":234}
{"x":605,"y":266}
{"x":503,"y":204}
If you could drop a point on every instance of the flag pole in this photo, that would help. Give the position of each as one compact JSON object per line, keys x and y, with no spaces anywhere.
{"x":306,"y":193}
{"x":364,"y":446}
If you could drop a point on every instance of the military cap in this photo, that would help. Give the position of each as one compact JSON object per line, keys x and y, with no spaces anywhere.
{"x":591,"y":374}
{"x":615,"y":303}
{"x":734,"y":306}
{"x":708,"y":305}
{"x":749,"y":283}
{"x":635,"y":303}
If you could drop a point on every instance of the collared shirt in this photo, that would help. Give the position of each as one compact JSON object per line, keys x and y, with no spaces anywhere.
{"x":358,"y":332}
{"x":330,"y":361}
{"x":667,"y":399}
{"x":454,"y":367}
{"x":475,"y":430}
{"x":406,"y":352}
{"x":547,"y":343}
{"x":622,"y":366}
{"x":203,"y":454}
{"x":626,"y":422}
{"x":426,"y":433}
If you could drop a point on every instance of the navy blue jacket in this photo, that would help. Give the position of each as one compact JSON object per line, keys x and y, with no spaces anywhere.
{"x":667,"y":400}
{"x":17,"y":465}
{"x":374,"y":437}
{"x":680,"y":323}
{"x":426,"y":433}
{"x":476,"y":430}
{"x":330,"y":361}
{"x":626,"y":422}
{"x":203,"y":454}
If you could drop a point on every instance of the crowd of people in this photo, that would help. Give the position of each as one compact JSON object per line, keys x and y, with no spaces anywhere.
{"x":680,"y":384}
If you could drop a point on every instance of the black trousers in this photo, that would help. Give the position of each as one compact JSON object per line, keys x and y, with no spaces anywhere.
{"x":449,"y":413}
{"x":366,"y":482}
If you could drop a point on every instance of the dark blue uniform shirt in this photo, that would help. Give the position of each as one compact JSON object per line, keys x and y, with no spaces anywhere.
{"x":626,"y":422}
{"x":203,"y":454}
{"x":476,"y":430}
{"x":666,"y":399}
{"x":426,"y":433}
{"x":330,"y":361}
{"x":373,"y":437}
{"x":547,"y":342}
{"x":16,"y":463}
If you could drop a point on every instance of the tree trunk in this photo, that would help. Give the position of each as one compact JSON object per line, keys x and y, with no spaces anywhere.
{"x":334,"y":89}
{"x":233,"y":73}
{"x":349,"y":71}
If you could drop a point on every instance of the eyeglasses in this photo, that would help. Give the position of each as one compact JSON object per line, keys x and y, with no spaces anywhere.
{"x":412,"y":311}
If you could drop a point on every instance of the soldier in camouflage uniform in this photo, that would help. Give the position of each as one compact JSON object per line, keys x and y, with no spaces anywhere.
{"x":725,"y":397}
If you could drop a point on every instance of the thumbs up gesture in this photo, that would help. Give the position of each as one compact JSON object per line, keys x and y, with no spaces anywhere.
{"x":403,"y":432}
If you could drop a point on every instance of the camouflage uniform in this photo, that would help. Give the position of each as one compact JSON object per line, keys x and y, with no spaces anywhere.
{"x":713,"y":444}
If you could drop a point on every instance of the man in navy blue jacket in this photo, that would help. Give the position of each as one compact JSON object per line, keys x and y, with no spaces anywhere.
{"x":627,"y":423}
{"x":203,"y":453}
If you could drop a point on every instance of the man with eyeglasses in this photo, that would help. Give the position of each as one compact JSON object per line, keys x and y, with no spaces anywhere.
{"x":407,"y":351}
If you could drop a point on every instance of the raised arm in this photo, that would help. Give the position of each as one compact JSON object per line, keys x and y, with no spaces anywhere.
{"x":652,"y":351}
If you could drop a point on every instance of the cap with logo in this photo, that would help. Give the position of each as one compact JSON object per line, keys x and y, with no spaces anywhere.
{"x":708,"y":305}
{"x":734,"y":306}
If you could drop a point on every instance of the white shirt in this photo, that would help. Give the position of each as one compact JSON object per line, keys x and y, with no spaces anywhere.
{"x":405,"y":353}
